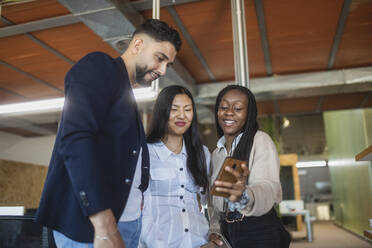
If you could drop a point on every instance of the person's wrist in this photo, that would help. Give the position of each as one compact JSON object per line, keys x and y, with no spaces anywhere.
{"x":240,"y":204}
{"x":244,"y":199}
{"x":105,"y":230}
{"x":103,"y":222}
{"x":106,"y":237}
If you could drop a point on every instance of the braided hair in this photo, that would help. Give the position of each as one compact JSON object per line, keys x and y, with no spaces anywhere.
{"x":244,"y":147}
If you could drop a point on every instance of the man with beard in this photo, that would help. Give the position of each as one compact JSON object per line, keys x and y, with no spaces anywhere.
{"x":100,"y":161}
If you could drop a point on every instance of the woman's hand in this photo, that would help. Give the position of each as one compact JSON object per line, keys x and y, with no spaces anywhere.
{"x":235,"y":190}
{"x":216,"y":239}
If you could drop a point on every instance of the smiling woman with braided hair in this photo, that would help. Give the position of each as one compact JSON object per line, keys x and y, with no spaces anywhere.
{"x":247,"y":217}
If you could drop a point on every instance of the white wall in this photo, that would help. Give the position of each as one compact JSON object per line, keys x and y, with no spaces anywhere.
{"x":28,"y":150}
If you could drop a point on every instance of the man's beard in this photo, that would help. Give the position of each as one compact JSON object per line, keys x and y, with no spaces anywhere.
{"x":140,"y":76}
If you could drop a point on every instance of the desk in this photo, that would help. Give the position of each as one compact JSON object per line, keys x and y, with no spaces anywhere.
{"x":305,"y":213}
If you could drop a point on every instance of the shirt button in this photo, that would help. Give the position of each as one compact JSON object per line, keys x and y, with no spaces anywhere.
{"x":181,"y":169}
{"x":183,"y":210}
{"x":181,"y":197}
{"x":134,"y":152}
{"x":182,"y":186}
{"x":127,"y":181}
{"x":186,"y":230}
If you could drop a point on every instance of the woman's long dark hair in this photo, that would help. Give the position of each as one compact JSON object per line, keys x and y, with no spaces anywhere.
{"x":196,"y":163}
{"x":244,"y":147}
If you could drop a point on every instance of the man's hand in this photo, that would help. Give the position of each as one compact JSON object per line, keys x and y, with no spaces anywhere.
{"x":216,"y":239}
{"x":106,"y":233}
{"x":112,"y":241}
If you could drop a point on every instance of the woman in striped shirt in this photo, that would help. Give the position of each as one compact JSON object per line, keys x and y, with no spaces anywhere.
{"x":179,"y":164}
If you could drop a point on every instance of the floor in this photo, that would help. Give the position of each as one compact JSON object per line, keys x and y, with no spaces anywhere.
{"x":328,"y":235}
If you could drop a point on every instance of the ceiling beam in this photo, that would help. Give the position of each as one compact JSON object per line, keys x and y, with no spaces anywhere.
{"x":30,"y":76}
{"x":38,"y":25}
{"x":340,"y":29}
{"x":43,"y":44}
{"x":296,"y":114}
{"x":297,"y":85}
{"x":114,"y":23}
{"x":13,"y":93}
{"x":141,"y":5}
{"x":14,"y":122}
{"x":264,"y":41}
{"x":59,"y":21}
{"x":191,"y":42}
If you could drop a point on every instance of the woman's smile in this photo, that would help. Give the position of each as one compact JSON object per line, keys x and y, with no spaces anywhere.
{"x":180,"y":123}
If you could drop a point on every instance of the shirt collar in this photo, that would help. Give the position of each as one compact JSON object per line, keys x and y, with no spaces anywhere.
{"x":222,"y":141}
{"x":164,"y":153}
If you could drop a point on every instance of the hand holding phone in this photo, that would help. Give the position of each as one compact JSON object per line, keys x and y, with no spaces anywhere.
{"x":212,"y":243}
{"x":231,"y":179}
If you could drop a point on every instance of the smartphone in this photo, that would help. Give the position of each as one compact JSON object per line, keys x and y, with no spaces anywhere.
{"x":223,"y":175}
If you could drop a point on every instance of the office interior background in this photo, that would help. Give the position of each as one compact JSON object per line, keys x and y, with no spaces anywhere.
{"x":309,"y":64}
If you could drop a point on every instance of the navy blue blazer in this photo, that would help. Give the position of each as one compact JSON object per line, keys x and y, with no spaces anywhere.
{"x":96,"y":149}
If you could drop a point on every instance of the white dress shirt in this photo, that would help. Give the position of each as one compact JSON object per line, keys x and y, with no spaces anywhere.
{"x":132,"y":210}
{"x":171,"y":214}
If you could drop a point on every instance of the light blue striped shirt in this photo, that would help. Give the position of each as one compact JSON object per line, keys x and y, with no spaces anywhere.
{"x":171,"y":214}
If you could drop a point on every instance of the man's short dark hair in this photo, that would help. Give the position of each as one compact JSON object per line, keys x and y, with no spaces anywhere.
{"x":160,"y":31}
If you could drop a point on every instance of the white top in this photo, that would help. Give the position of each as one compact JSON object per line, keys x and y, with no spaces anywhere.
{"x":171,"y":214}
{"x":222,"y":141}
{"x":132,"y":210}
{"x":263,"y":188}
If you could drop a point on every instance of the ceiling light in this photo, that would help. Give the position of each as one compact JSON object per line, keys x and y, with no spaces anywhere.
{"x":286,"y":122}
{"x":33,"y":106}
{"x":56,"y":104}
{"x":319,"y":163}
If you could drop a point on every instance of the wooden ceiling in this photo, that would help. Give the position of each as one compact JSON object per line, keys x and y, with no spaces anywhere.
{"x":317,"y":104}
{"x":300,"y":35}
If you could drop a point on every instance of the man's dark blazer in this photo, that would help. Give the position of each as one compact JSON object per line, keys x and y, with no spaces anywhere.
{"x":96,"y":149}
